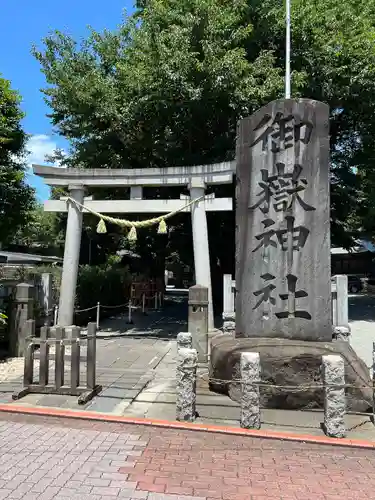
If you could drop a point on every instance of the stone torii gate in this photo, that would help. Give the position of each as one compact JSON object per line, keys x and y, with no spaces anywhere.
{"x":195,"y":178}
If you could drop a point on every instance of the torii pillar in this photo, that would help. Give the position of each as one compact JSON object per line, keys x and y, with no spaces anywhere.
{"x":71,"y":257}
{"x":200,"y":244}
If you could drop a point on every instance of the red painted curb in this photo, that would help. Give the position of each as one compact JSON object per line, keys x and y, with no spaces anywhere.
{"x":106,"y":417}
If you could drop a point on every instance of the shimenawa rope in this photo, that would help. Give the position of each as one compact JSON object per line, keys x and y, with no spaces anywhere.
{"x":134,"y":225}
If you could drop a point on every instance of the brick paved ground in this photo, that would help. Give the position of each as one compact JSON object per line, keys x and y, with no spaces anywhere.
{"x":69,"y":459}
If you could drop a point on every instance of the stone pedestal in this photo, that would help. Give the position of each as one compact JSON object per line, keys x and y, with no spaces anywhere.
{"x":289,"y":363}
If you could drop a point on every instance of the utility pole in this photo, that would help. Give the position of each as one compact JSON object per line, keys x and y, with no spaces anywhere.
{"x":287,"y":51}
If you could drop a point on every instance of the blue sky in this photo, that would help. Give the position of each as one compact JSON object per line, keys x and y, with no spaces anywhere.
{"x":27,"y":22}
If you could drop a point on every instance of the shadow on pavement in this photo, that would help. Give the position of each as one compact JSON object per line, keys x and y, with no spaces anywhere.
{"x":361,"y":307}
{"x":162,"y":324}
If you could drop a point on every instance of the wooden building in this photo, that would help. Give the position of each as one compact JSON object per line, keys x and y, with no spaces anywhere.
{"x":359,"y":260}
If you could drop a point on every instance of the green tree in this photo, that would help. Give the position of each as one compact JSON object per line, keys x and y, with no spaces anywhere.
{"x":16,"y":197}
{"x":168,"y":87}
{"x":168,"y":90}
{"x":333,"y":50}
{"x":43,"y":233}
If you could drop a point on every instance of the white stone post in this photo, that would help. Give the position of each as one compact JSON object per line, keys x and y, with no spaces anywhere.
{"x":250,"y":394}
{"x":200,"y":244}
{"x":98,"y":315}
{"x":136,"y":192}
{"x":229,"y":316}
{"x":130,"y":320}
{"x":333,"y":370}
{"x":341,"y":308}
{"x":184,"y":340}
{"x":334,"y":303}
{"x":71,"y":257}
{"x":55,"y":315}
{"x":46,"y":285}
{"x":228,"y":296}
{"x":186,"y":384}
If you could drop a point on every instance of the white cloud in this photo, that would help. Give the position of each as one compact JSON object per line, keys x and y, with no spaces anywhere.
{"x":38,"y":147}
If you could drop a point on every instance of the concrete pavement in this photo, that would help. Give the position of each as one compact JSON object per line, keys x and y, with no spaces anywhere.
{"x":156,"y":400}
{"x":127,"y":356}
{"x":362,"y":323}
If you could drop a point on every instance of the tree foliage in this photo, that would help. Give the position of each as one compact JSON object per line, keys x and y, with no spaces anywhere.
{"x":333,"y":51}
{"x":168,"y":87}
{"x":16,"y":197}
{"x":42,"y":234}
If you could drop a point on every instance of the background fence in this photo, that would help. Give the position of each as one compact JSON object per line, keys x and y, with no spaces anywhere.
{"x":102,"y":292}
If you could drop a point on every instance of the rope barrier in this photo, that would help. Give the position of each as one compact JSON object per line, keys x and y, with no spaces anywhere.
{"x":114,"y":307}
{"x":85,"y":310}
{"x":134,"y":225}
{"x":111,"y":307}
{"x":131,"y":304}
{"x":302,"y":387}
{"x":265,"y":384}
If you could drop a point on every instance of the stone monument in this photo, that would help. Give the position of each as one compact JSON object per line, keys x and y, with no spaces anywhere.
{"x":283,"y":264}
{"x":283,"y":268}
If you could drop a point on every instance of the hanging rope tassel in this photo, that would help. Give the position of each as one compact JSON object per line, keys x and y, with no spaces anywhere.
{"x":101,"y":227}
{"x":132,"y":235}
{"x":162,"y":229}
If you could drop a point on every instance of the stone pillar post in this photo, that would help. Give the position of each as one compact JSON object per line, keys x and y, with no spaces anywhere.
{"x":46,"y":284}
{"x":200,"y":244}
{"x":334,"y":395}
{"x":198,"y":320}
{"x":186,"y":385}
{"x":334,"y":304}
{"x":341,"y":328}
{"x":71,"y":257}
{"x":184,"y":340}
{"x":250,"y":397}
{"x":23,"y":310}
{"x":229,"y":316}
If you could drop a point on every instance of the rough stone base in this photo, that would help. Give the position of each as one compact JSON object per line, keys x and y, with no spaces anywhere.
{"x":288,"y":363}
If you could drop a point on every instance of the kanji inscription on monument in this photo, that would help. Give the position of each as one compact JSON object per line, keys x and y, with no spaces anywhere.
{"x":283,"y":264}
